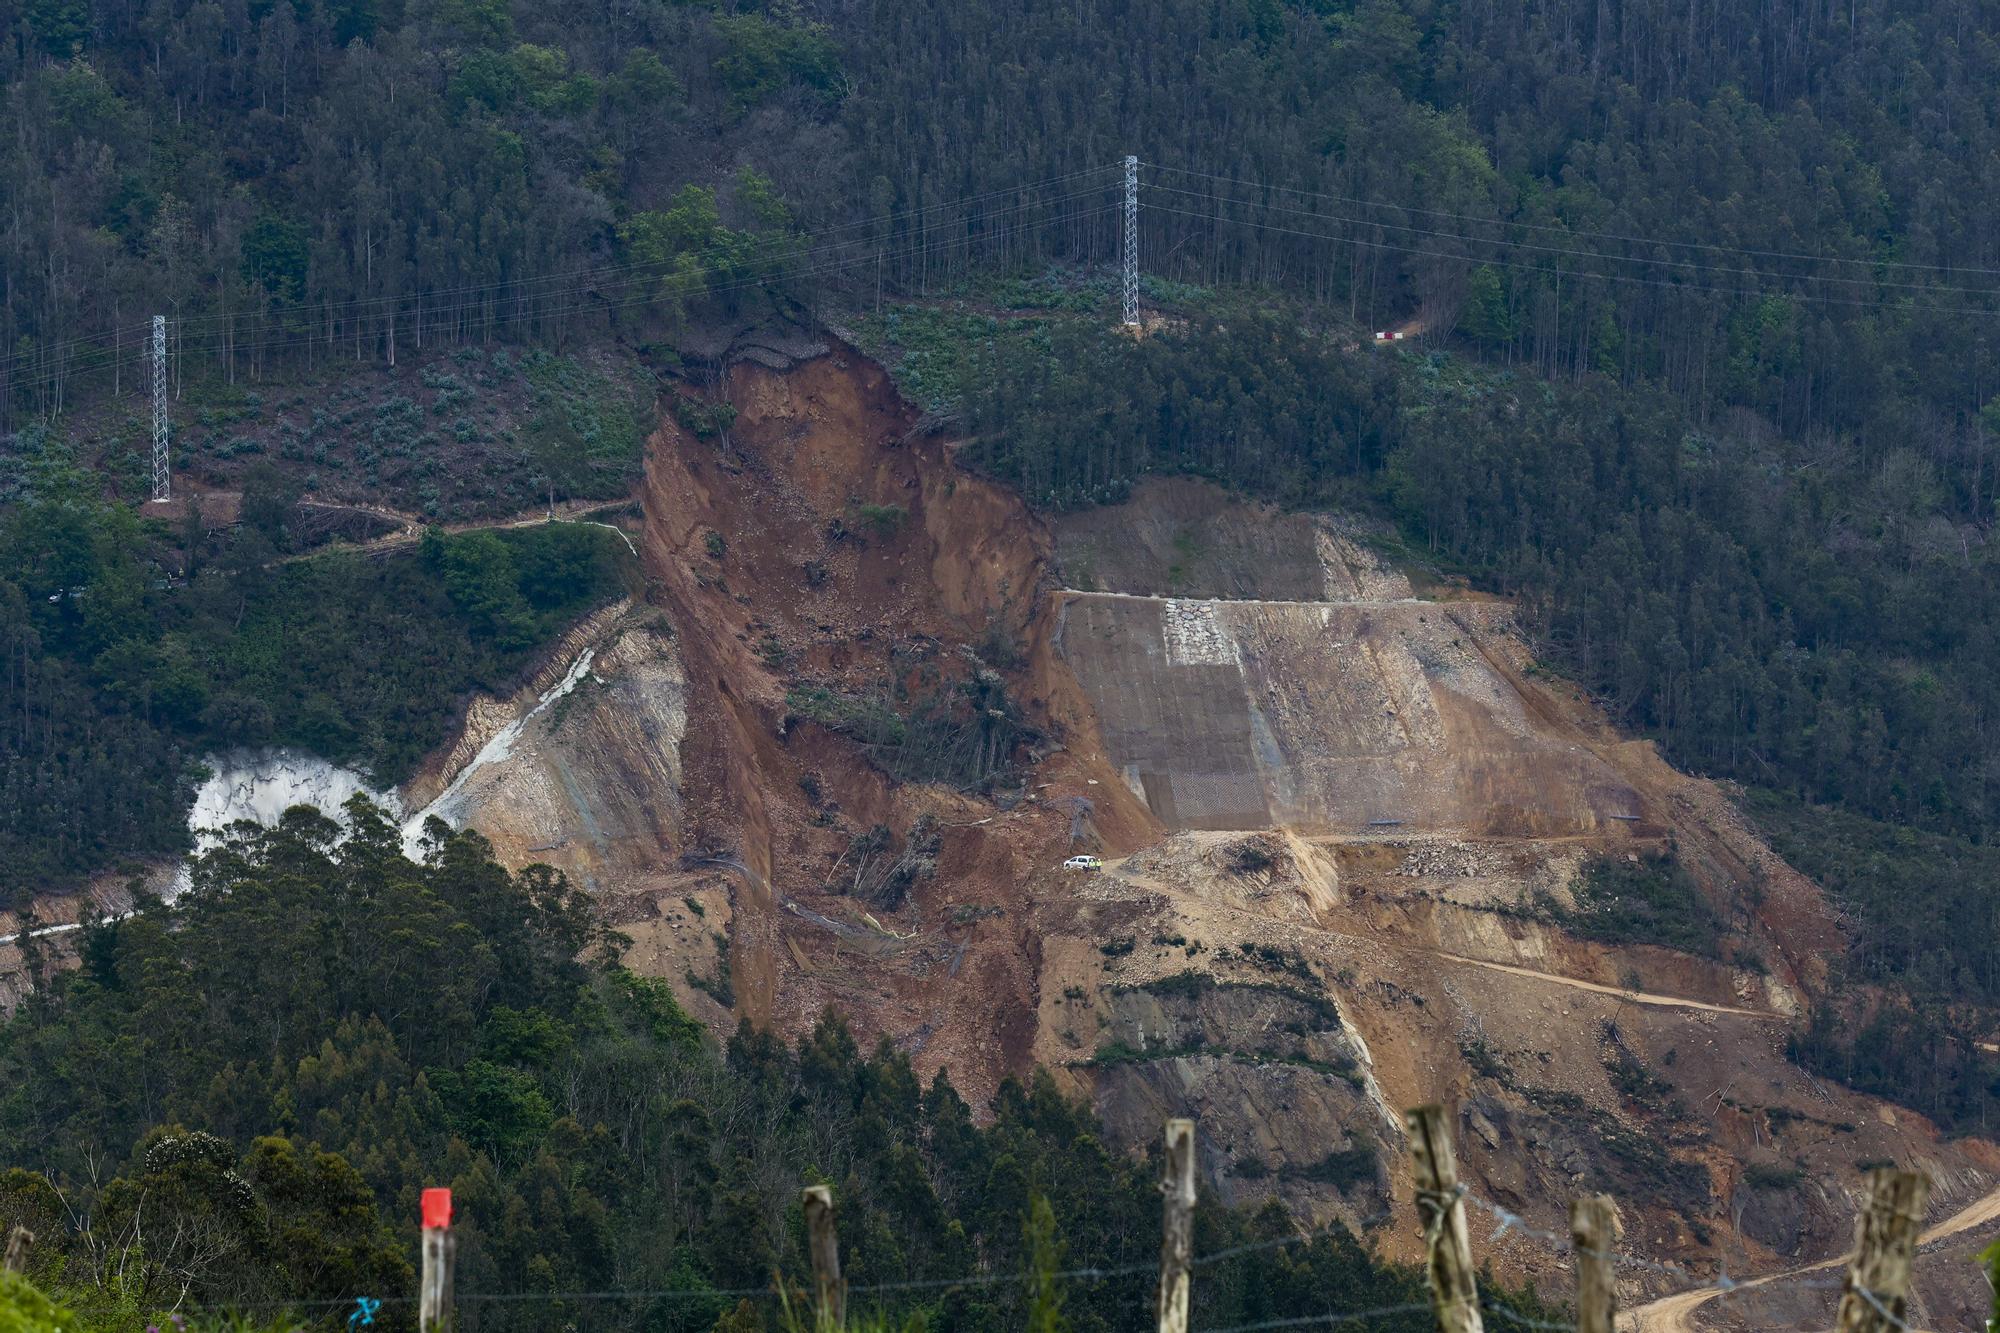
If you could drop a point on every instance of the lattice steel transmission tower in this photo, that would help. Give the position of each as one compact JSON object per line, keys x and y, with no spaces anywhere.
{"x":1131,"y":242}
{"x":160,"y":485}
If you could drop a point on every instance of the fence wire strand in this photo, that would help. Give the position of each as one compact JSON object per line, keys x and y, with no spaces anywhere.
{"x":1334,"y":1318}
{"x":1524,"y":1321}
{"x":1722,"y":1284}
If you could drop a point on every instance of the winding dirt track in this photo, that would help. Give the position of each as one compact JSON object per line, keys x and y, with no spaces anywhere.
{"x":1631,"y":996}
{"x":1117,"y":868}
{"x":1674,"y":1314}
{"x":414,"y":526}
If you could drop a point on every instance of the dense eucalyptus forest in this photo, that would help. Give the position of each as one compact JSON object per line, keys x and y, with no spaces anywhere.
{"x":1705,"y":301}
{"x":1774,"y":209}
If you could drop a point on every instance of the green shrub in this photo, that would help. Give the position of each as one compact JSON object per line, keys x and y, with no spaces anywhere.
{"x":23,"y":1309}
{"x":1357,"y":1164}
{"x":1651,"y":900}
{"x":760,"y":57}
{"x":1770,"y":1176}
{"x":884,"y":519}
{"x":703,"y":419}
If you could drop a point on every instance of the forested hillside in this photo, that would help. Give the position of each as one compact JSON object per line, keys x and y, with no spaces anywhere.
{"x":1707,"y":295}
{"x":120,"y":679}
{"x":1774,"y":209}
{"x":245,"y":1093}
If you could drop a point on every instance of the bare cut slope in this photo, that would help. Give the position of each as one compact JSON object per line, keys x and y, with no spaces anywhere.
{"x":1330,"y":716}
{"x":582,"y":770}
{"x":1306,"y":686}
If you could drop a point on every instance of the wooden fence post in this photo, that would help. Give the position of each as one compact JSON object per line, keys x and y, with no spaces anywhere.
{"x":440,"y":1248}
{"x":1885,"y":1240}
{"x":1177,"y":1227}
{"x":830,"y":1293}
{"x":1454,"y":1293}
{"x":1593,"y":1234}
{"x":19,"y":1238}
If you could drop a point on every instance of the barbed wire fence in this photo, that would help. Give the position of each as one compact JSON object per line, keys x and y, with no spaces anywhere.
{"x":1874,"y":1286}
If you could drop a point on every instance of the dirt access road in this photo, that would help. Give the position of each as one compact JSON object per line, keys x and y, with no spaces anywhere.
{"x":1117,"y":868}
{"x":1632,"y":996}
{"x":413,"y":526}
{"x":1675,"y":1314}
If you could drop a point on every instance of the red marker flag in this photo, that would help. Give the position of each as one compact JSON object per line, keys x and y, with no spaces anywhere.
{"x":437,"y":1209}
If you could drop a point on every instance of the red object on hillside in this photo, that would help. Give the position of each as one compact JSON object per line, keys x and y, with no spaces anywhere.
{"x":437,"y":1209}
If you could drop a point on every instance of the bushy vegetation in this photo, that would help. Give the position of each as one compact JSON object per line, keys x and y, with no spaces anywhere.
{"x":1927,"y":899}
{"x":280,"y":1061}
{"x":1917,"y":1054}
{"x":961,"y":734}
{"x":1344,"y":1168}
{"x":477,"y":433}
{"x":130,"y":652}
{"x":1072,"y":417}
{"x":1919,"y":898}
{"x":1649,"y":899}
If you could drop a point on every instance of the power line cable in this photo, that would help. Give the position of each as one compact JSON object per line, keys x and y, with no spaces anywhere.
{"x":1683,"y":264}
{"x":321,"y":310}
{"x":215,"y":344}
{"x":1333,"y":1319}
{"x":686,"y":283}
{"x":1574,"y":231}
{"x":1628,"y":278}
{"x":692,"y":285}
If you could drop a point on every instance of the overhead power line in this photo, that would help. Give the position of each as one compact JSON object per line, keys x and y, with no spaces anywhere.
{"x":590,"y":298}
{"x":845,"y":246}
{"x":1684,"y":265}
{"x":1628,"y":278}
{"x":1569,"y":231}
{"x":822,"y":238}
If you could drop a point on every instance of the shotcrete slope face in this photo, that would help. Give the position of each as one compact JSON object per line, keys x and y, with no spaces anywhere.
{"x":1327,"y":717}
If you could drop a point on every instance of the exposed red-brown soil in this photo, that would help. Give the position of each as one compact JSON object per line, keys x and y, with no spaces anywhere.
{"x":778,"y":552}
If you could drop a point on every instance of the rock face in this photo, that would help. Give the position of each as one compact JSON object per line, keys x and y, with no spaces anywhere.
{"x":260,"y":785}
{"x":587,"y":776}
{"x":1283,"y":1092}
{"x":580,"y":769}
